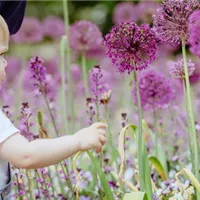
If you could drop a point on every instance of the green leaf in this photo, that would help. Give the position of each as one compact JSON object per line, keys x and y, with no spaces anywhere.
{"x":104,"y":182}
{"x":40,"y":118}
{"x":158,"y":166}
{"x":135,"y":196}
{"x":161,"y":154}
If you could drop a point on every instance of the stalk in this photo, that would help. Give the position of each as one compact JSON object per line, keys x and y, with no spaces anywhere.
{"x":189,"y":134}
{"x":191,"y":116}
{"x":63,"y":88}
{"x":69,"y":73}
{"x":155,"y":132}
{"x":143,"y":164}
{"x":84,"y":74}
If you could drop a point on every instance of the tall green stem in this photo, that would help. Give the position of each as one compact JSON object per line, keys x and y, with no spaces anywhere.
{"x":84,"y":74}
{"x":155,"y":132}
{"x":69,"y":73}
{"x":188,"y":129}
{"x":114,"y":152}
{"x":139,"y":135}
{"x":191,"y":115}
{"x":143,"y":164}
{"x":63,"y":95}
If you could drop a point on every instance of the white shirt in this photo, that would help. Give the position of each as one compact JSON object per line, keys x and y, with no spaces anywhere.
{"x":6,"y":130}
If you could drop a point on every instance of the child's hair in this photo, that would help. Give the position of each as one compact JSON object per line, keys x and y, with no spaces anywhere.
{"x":4,"y":31}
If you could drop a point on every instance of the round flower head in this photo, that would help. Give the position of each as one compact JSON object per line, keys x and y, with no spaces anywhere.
{"x":176,"y":69}
{"x":30,"y":31}
{"x":195,"y":77}
{"x":156,"y":90}
{"x":194,"y":28}
{"x":131,"y":47}
{"x":52,"y":23}
{"x":124,"y":12}
{"x":171,"y":20}
{"x":84,"y":36}
{"x":145,"y":10}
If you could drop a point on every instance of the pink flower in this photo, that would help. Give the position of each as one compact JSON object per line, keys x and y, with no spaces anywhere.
{"x":125,"y":12}
{"x":84,"y":36}
{"x":53,"y":27}
{"x":30,"y":31}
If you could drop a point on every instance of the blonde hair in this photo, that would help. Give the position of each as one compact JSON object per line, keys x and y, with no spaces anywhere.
{"x":4,"y":31}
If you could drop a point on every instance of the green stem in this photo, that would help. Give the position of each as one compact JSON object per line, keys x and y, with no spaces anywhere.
{"x":115,"y":154}
{"x":37,"y":185}
{"x":190,"y":110}
{"x":69,"y":73}
{"x":139,"y":135}
{"x":84,"y":74}
{"x":68,"y":181}
{"x":51,"y":114}
{"x":63,"y":85}
{"x":155,"y":132}
{"x":188,"y":130}
{"x":143,"y":164}
{"x":191,"y":115}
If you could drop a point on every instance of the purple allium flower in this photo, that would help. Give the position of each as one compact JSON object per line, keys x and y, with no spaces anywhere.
{"x":13,"y":68}
{"x":156,"y":90}
{"x":53,"y":27}
{"x":145,"y":11}
{"x":131,"y":47}
{"x":124,"y":12}
{"x":76,"y":72}
{"x":195,"y":77}
{"x":194,"y":28}
{"x":176,"y":69}
{"x":84,"y":36}
{"x":171,"y":20}
{"x":30,"y":31}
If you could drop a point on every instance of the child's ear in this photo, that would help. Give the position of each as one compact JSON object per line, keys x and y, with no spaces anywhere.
{"x":4,"y":31}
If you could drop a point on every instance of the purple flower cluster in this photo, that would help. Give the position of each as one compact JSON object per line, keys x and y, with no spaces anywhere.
{"x":171,"y":20}
{"x":156,"y":90}
{"x":84,"y":36}
{"x":53,"y":27}
{"x":124,"y":12}
{"x":34,"y":31}
{"x":176,"y":69}
{"x":30,"y":31}
{"x":38,"y":70}
{"x":131,"y":47}
{"x":194,"y":28}
{"x":25,"y":125}
{"x":97,"y":84}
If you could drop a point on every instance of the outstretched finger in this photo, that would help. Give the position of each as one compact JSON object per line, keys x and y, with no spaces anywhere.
{"x":101,"y":125}
{"x":102,"y":139}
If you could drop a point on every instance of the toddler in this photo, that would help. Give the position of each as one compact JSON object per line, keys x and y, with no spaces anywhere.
{"x":15,"y":149}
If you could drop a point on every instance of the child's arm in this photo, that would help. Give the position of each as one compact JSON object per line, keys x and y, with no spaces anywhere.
{"x":44,"y":152}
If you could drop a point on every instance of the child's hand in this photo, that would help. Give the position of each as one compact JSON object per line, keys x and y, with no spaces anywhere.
{"x":92,"y":137}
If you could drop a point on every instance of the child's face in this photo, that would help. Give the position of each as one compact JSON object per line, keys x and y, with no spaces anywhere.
{"x":4,"y":43}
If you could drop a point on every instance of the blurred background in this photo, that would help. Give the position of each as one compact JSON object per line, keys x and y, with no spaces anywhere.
{"x":99,"y":12}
